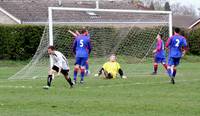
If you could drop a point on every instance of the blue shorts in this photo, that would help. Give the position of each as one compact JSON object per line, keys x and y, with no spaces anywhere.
{"x":159,"y":60}
{"x":173,"y":61}
{"x":81,"y":61}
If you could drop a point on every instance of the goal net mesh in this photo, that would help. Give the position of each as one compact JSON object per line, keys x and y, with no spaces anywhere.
{"x":131,"y":36}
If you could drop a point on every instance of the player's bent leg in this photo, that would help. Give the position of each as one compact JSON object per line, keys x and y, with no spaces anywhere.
{"x":176,"y":63}
{"x":50,"y":78}
{"x":82,"y":64}
{"x":170,"y":66}
{"x":155,"y":67}
{"x":171,"y":74}
{"x":174,"y":72}
{"x":87,"y":68}
{"x":164,"y":65}
{"x":82,"y":74}
{"x":66,"y":75}
{"x":76,"y":68}
{"x":107,"y":75}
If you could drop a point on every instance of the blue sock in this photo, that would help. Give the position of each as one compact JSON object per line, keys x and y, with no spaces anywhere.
{"x":174,"y":73}
{"x":87,"y":66}
{"x":82,"y":74}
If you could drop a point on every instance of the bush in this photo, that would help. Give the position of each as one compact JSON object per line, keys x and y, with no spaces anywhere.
{"x":194,"y":42}
{"x":19,"y":42}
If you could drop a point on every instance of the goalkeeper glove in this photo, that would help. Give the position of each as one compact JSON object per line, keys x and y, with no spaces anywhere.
{"x":124,"y":77}
{"x":96,"y":75}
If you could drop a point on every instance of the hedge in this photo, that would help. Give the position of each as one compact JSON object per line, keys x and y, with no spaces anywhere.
{"x":19,"y":42}
{"x":194,"y":42}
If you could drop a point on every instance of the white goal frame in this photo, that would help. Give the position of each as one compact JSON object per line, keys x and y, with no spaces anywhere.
{"x":50,"y":18}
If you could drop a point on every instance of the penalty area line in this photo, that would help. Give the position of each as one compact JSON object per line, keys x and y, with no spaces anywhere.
{"x":16,"y":86}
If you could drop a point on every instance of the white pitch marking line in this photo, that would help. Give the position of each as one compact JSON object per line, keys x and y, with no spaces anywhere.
{"x":101,"y":86}
{"x":16,"y":87}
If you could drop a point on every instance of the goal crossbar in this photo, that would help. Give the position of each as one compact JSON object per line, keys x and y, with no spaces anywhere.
{"x":110,"y":10}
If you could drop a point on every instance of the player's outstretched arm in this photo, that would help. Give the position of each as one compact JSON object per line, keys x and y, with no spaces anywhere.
{"x":100,"y":72}
{"x":77,"y":33}
{"x":74,"y":34}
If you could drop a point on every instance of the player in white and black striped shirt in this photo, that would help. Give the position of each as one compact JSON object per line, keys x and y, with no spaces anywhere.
{"x":60,"y":65}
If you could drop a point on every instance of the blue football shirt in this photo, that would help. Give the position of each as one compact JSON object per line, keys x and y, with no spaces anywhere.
{"x":81,"y":46}
{"x":175,"y":44}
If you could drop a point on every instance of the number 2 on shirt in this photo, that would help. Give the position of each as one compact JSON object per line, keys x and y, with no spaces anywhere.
{"x":177,"y":43}
{"x":81,"y":43}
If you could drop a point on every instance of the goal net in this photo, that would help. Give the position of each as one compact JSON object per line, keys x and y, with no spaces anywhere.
{"x":130,"y":34}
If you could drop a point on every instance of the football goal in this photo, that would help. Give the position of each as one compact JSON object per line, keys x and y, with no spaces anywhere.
{"x":130,"y":34}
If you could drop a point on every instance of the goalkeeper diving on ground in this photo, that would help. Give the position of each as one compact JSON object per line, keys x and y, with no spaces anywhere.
{"x":111,"y":68}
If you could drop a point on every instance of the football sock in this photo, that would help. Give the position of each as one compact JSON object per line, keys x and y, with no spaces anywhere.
{"x":169,"y":72}
{"x":174,"y":73}
{"x":165,"y":65}
{"x":87,"y":66}
{"x":121,"y":72}
{"x":82,"y":74}
{"x":49,"y":79}
{"x":155,"y":68}
{"x":75,"y":73}
{"x":69,"y":81}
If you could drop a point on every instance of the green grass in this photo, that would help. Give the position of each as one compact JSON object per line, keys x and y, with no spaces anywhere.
{"x":139,"y":95}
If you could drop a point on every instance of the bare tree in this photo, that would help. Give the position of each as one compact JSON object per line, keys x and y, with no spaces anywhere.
{"x":167,"y":6}
{"x":152,"y":6}
{"x":158,"y":4}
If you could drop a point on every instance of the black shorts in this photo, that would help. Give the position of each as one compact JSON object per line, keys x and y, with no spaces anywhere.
{"x":108,"y":75}
{"x":63,"y":71}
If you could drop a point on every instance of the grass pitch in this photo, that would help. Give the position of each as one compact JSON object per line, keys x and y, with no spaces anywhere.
{"x":139,"y":95}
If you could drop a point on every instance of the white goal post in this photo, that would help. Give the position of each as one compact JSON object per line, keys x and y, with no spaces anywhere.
{"x":51,"y":9}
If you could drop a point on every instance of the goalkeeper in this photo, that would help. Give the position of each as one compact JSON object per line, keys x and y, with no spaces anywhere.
{"x":111,"y":68}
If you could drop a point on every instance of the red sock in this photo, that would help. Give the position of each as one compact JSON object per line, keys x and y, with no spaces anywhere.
{"x":155,"y":67}
{"x":165,"y":65}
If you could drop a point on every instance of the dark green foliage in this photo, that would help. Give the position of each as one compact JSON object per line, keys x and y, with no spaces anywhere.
{"x":19,"y":41}
{"x":194,"y":42}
